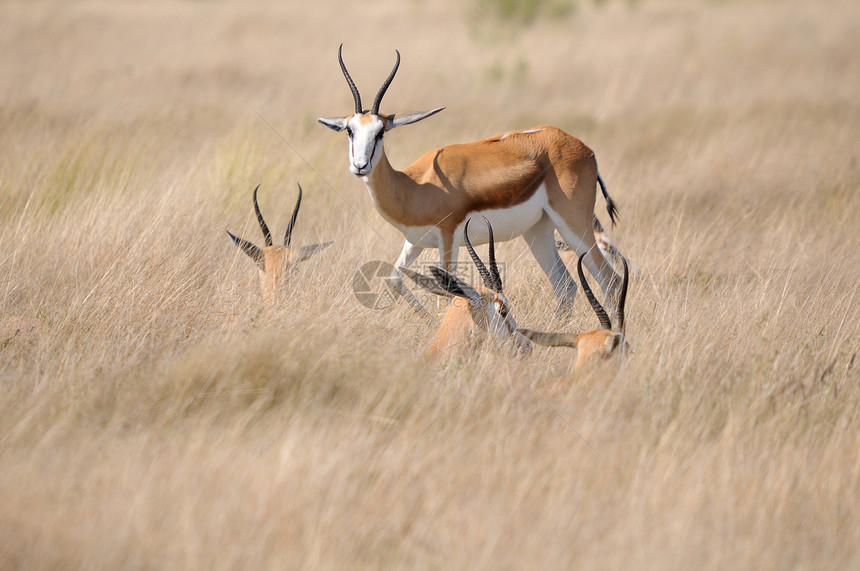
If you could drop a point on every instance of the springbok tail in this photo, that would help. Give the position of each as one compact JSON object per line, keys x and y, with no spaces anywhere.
{"x":611,"y":208}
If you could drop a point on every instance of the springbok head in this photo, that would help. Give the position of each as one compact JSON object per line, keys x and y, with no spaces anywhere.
{"x":595,"y":344}
{"x":474,"y":311}
{"x":275,"y":262}
{"x":366,"y":128}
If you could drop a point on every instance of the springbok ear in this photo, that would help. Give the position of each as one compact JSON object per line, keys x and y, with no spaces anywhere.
{"x":549,"y":339}
{"x":613,"y":342}
{"x":426,"y":282}
{"x":253,"y":251}
{"x":334,"y":123}
{"x":455,"y":286}
{"x":400,"y":119}
{"x":308,"y":251}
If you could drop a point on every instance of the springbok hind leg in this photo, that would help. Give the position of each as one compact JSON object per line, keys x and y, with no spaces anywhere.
{"x":595,"y":262}
{"x":601,"y":269}
{"x":541,"y":241}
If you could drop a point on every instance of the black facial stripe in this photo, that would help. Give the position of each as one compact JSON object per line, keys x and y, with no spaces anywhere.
{"x":503,"y":311}
{"x":373,"y":152}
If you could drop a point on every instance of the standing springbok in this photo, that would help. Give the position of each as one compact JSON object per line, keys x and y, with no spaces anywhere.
{"x":474,"y":313}
{"x":527,"y":183}
{"x":275,"y":262}
{"x":596,"y":343}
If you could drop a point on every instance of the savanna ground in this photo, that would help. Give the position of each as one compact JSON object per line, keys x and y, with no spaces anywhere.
{"x":154,"y":414}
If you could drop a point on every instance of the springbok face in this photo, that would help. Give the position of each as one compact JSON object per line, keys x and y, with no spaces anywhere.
{"x":474,"y":312}
{"x":365,"y":129}
{"x":595,"y":344}
{"x":275,"y":262}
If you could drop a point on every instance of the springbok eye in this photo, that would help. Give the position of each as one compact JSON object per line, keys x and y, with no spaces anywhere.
{"x":349,"y":132}
{"x":379,"y":135}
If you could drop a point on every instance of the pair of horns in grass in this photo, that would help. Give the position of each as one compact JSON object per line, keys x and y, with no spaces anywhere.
{"x":605,"y":322}
{"x":356,"y":96}
{"x":253,"y":251}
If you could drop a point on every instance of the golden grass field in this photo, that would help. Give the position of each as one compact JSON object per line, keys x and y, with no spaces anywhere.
{"x":155,"y":414}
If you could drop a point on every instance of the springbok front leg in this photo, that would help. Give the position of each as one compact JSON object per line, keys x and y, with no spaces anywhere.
{"x":407,"y":256}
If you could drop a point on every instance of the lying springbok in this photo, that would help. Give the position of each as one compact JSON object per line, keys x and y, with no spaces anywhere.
{"x":474,"y":313}
{"x":527,"y":183}
{"x":594,"y":344}
{"x":275,"y":262}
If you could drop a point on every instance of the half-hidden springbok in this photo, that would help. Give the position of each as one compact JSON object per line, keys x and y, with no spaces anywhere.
{"x":527,"y":183}
{"x":595,"y":344}
{"x":475,"y":313}
{"x":275,"y":262}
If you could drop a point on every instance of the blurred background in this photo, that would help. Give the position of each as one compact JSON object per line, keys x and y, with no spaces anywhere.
{"x":154,"y":413}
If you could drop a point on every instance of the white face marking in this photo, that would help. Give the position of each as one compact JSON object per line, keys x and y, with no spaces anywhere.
{"x":365,"y":143}
{"x":502,"y":324}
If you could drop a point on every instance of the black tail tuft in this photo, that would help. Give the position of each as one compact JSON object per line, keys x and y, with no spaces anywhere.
{"x":610,"y":204}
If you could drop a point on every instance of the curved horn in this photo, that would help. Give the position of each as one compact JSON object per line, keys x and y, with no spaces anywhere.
{"x":494,"y":269}
{"x":482,"y":269}
{"x":623,"y":298}
{"x":605,"y":323}
{"x":288,"y":237}
{"x":355,"y":95}
{"x":375,"y":109}
{"x":267,"y":236}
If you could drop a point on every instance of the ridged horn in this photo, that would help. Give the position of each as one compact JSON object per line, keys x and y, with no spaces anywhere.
{"x":375,"y":109}
{"x":605,"y":323}
{"x":482,"y":269}
{"x":355,"y":95}
{"x":494,"y":269}
{"x":623,"y":297}
{"x":267,"y":236}
{"x":288,"y":237}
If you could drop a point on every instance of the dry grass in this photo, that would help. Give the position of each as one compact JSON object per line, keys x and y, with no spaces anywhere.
{"x":153,"y":414}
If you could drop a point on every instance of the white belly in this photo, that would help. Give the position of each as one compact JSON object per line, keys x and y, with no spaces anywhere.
{"x":508,"y":223}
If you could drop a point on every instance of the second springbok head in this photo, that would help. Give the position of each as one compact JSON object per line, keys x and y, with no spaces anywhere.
{"x":475,"y":313}
{"x":275,"y":262}
{"x":595,"y":344}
